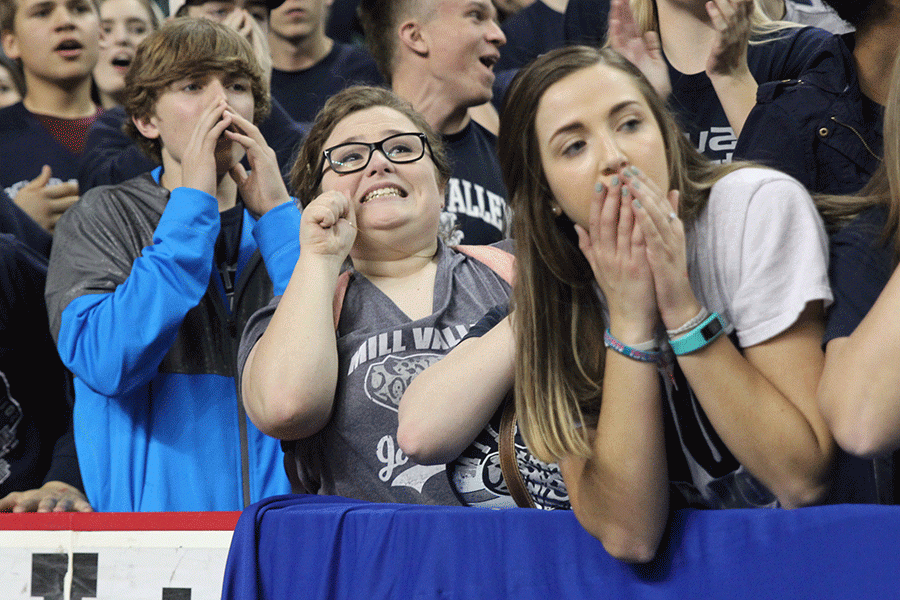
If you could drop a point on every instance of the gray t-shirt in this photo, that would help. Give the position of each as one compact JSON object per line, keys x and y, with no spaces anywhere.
{"x":380,"y":350}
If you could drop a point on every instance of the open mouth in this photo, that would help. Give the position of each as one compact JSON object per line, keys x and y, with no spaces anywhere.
{"x":68,"y":46}
{"x":121,"y":62}
{"x":382,"y":193}
{"x":489,"y":61}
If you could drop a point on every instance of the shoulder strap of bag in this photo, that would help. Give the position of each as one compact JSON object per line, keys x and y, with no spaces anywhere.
{"x":508,"y":463}
{"x":500,"y":261}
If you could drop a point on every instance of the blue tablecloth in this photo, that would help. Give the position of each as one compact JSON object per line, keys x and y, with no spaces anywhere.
{"x":325,"y":547}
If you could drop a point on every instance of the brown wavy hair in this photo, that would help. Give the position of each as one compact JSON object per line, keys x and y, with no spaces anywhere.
{"x":305,"y":180}
{"x":187,"y":47}
{"x":559,"y":366}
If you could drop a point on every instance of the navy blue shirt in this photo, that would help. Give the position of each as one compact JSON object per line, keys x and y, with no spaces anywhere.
{"x":476,"y":195}
{"x":35,"y":388}
{"x":303,"y":93}
{"x":784,"y":54}
{"x":532,"y":31}
{"x":859,"y":268}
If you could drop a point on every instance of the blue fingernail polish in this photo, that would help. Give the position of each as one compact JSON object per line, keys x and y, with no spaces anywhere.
{"x":614,"y":180}
{"x":625,"y":192}
{"x":635,"y":184}
{"x":636,"y":203}
{"x":599,"y":188}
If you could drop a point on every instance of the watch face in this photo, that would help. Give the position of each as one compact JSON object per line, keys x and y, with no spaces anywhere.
{"x":711,"y":330}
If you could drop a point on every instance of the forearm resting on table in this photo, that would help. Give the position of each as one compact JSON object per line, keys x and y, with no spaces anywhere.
{"x":620,"y":493}
{"x":763,"y":406}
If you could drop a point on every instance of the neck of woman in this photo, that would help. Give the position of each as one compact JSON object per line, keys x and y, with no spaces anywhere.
{"x":378,"y":262}
{"x":408,"y":281}
{"x":686,"y":34}
{"x":874,"y":53}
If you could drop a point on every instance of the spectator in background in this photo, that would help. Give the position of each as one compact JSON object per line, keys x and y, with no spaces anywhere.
{"x":444,"y":77}
{"x":112,"y":157}
{"x":830,"y":120}
{"x":860,"y":391}
{"x":12,"y":82}
{"x":874,"y":43}
{"x":535,"y":29}
{"x":42,"y":137}
{"x":707,"y":58}
{"x":151,"y":282}
{"x":249,"y":17}
{"x":123,"y":25}
{"x":308,"y":66}
{"x":38,"y":466}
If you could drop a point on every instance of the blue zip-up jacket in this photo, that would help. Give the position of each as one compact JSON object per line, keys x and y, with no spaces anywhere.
{"x":818,"y":128}
{"x":138,"y":311}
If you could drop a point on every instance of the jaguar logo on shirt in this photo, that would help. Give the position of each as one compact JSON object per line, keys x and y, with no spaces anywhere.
{"x":387,"y":379}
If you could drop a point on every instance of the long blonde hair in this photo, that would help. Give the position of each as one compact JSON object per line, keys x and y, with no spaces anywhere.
{"x":558,"y":319}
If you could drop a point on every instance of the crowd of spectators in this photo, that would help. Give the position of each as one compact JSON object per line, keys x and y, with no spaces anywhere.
{"x":358,"y":183}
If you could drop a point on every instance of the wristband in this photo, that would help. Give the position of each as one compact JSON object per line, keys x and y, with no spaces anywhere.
{"x":698,"y":318}
{"x":642,"y":355}
{"x":701,"y":335}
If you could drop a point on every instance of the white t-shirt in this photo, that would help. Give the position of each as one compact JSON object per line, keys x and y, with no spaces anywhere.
{"x":758,"y":253}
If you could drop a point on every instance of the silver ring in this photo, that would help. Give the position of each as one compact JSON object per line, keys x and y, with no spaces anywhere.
{"x":671,"y":217}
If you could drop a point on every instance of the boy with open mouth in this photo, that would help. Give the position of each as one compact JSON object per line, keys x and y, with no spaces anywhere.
{"x":41,"y":138}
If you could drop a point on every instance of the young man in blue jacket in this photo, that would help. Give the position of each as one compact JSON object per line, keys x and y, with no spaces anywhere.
{"x":151,"y":282}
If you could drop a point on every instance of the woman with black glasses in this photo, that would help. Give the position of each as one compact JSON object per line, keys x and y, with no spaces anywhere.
{"x":376,"y":297}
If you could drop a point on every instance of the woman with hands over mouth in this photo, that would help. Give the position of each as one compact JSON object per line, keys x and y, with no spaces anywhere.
{"x":666,"y":338}
{"x":681,"y":252}
{"x":375,"y":297}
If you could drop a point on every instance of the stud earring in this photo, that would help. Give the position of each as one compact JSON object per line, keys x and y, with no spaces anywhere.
{"x":556,"y":209}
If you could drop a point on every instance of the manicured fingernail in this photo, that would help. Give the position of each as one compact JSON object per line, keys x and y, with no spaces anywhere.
{"x":625,"y":192}
{"x":636,"y":184}
{"x":636,"y":203}
{"x":614,"y":180}
{"x":600,"y":188}
{"x":634,"y":171}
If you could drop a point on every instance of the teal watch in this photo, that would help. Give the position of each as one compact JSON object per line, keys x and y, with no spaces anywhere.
{"x":699,"y":336}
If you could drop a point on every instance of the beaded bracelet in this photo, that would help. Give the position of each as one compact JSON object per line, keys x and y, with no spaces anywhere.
{"x":701,"y":316}
{"x":642,"y":353}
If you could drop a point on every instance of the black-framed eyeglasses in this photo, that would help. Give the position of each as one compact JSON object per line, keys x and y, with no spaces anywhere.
{"x":354,"y":156}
